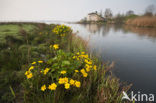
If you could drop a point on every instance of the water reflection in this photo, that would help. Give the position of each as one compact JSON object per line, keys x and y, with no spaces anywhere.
{"x":150,"y":32}
{"x":104,"y":29}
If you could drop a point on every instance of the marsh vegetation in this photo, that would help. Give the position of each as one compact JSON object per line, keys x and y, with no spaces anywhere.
{"x":49,"y":64}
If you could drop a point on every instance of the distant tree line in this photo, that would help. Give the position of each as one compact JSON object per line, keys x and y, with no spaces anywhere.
{"x":149,"y":11}
{"x":108,"y":14}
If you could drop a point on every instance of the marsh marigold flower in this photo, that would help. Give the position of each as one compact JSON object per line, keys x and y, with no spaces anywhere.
{"x":61,"y":81}
{"x":31,"y":68}
{"x":67,"y":85}
{"x":43,"y":88}
{"x":82,"y":70}
{"x":88,"y":62}
{"x":85,"y":56}
{"x":27,"y":72}
{"x":63,"y":72}
{"x":72,"y":82}
{"x":40,"y":61}
{"x":52,"y":86}
{"x":87,"y":69}
{"x":46,"y":71}
{"x":74,"y":57}
{"x":33,"y":63}
{"x":30,"y":75}
{"x":56,"y":46}
{"x":77,"y":84}
{"x":82,"y":52}
{"x":76,"y":71}
{"x":85,"y":74}
{"x":66,"y":80}
{"x":94,"y":67}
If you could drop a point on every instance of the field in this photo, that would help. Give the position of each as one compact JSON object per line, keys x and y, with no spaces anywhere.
{"x":49,"y":64}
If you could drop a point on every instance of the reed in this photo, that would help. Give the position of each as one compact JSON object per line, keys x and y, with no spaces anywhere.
{"x":143,"y":21}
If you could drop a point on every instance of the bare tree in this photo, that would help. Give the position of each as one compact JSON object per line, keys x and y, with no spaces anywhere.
{"x":108,"y":13}
{"x":150,"y":10}
{"x":100,"y":13}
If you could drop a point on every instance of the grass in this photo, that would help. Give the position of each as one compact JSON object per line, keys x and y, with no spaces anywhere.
{"x":13,"y":30}
{"x":17,"y":53}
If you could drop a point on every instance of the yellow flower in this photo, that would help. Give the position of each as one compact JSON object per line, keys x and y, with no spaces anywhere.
{"x":29,"y":75}
{"x":82,"y":52}
{"x":88,"y":66}
{"x":94,"y":67}
{"x":55,"y":46}
{"x":27,"y":72}
{"x":82,"y":71}
{"x":63,"y":72}
{"x":85,"y":56}
{"x":74,"y":57}
{"x":46,"y":71}
{"x":61,"y":81}
{"x":72,"y":82}
{"x":40,"y":61}
{"x":32,"y":67}
{"x":66,"y":80}
{"x":88,"y":62}
{"x":85,"y":74}
{"x":33,"y":63}
{"x":52,"y":86}
{"x":87,"y":69}
{"x":43,"y":88}
{"x":76,"y":71}
{"x":67,"y":85}
{"x":77,"y":84}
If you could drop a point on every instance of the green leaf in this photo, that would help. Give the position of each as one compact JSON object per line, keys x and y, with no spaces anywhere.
{"x":50,"y":61}
{"x":12,"y":91}
{"x":65,"y":62}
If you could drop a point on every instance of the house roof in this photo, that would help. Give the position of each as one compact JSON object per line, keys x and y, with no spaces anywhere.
{"x":92,"y":14}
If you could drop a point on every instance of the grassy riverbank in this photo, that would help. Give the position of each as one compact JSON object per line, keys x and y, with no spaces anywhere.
{"x":39,"y":62}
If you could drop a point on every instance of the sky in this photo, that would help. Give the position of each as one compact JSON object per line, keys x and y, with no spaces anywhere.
{"x":65,"y":10}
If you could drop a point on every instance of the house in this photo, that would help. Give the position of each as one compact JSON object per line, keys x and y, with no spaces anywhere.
{"x":94,"y":17}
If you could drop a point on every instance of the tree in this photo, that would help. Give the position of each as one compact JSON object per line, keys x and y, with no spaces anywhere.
{"x":150,"y":10}
{"x":119,"y":18}
{"x":100,"y":13}
{"x":130,"y":12}
{"x":108,"y":13}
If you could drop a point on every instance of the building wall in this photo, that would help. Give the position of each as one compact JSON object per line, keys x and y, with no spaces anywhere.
{"x":93,"y":17}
